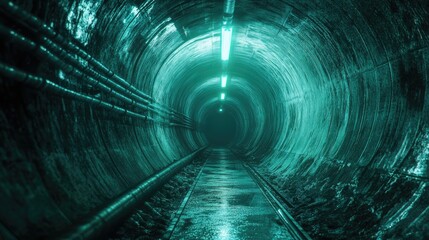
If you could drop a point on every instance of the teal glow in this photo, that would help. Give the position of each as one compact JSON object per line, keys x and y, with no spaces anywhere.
{"x":222,"y":96}
{"x":224,"y":79}
{"x":226,"y":42}
{"x":220,"y":110}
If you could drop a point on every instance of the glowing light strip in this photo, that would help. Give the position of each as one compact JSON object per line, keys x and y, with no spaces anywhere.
{"x":224,"y":79}
{"x":222,"y":96}
{"x":226,"y":42}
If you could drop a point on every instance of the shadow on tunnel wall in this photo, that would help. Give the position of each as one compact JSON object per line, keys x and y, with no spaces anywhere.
{"x":329,"y":100}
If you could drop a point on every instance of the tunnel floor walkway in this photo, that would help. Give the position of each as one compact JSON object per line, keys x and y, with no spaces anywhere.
{"x":227,"y":204}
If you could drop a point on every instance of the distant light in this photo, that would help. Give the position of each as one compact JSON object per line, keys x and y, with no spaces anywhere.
{"x":224,"y":78}
{"x":226,"y":42}
{"x":220,"y":110}
{"x":224,"y":233}
{"x":222,"y":96}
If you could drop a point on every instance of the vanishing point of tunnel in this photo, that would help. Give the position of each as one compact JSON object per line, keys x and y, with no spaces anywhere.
{"x":214,"y":119}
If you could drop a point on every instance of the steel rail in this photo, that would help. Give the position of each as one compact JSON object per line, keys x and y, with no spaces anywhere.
{"x":276,"y":202}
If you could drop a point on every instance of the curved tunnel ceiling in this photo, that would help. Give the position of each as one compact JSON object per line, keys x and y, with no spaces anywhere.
{"x":316,"y":88}
{"x":308,"y":60}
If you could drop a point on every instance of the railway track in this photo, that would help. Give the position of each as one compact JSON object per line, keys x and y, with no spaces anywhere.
{"x":165,"y":220}
{"x":279,"y":203}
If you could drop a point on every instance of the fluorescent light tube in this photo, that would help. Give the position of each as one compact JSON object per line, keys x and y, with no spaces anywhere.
{"x":226,"y":42}
{"x":224,"y":79}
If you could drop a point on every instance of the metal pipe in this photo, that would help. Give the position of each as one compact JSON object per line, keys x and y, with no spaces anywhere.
{"x":35,"y":24}
{"x":67,"y":57}
{"x":63,"y":55}
{"x":46,"y":85}
{"x":101,"y":223}
{"x":124,"y":95}
{"x":41,"y":51}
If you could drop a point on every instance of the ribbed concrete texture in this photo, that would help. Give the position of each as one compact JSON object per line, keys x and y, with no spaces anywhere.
{"x":328,"y":100}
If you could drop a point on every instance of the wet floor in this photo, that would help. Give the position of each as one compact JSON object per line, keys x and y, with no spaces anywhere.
{"x":227,"y":204}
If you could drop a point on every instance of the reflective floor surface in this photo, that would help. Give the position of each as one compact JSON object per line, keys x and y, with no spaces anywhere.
{"x":227,"y":204}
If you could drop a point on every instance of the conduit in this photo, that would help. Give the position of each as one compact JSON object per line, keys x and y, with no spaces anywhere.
{"x":102,"y":222}
{"x":39,"y":27}
{"x":45,"y":84}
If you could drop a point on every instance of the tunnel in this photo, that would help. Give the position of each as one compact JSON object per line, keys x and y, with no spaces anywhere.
{"x":103,"y":102}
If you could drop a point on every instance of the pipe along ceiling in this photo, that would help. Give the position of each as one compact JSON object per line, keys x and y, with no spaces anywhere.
{"x":329,"y":97}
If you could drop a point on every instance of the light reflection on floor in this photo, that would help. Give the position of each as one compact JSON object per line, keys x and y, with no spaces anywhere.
{"x":227,"y":204}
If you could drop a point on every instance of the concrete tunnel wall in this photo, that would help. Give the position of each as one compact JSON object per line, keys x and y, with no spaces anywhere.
{"x":332,"y":96}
